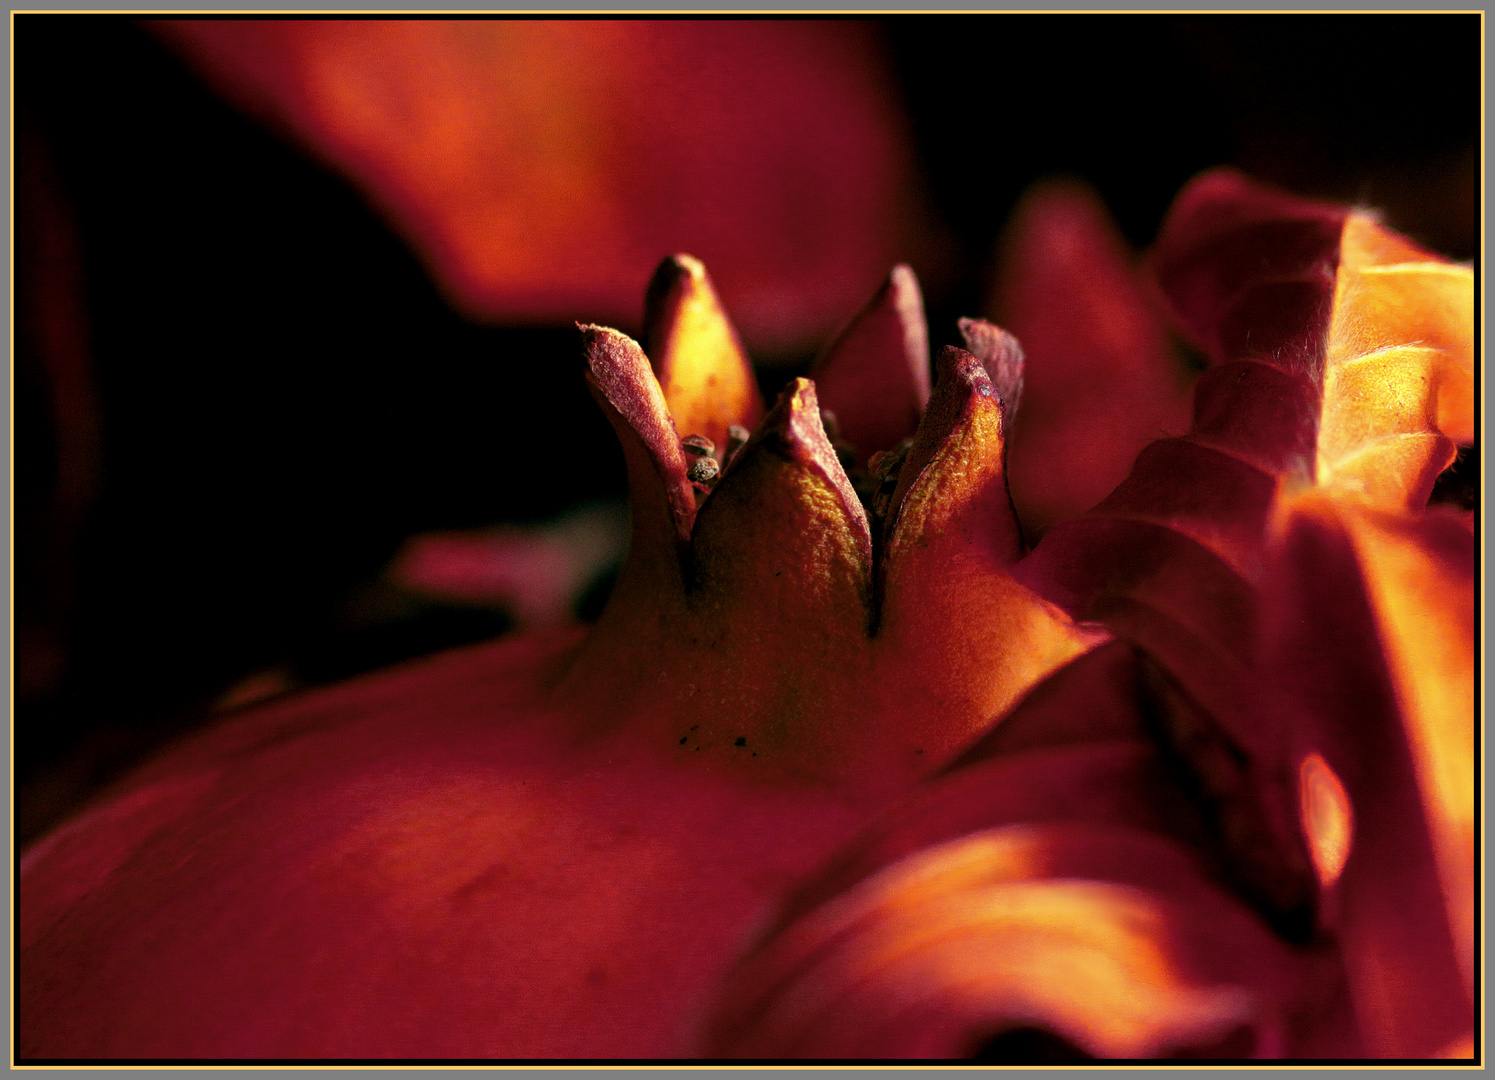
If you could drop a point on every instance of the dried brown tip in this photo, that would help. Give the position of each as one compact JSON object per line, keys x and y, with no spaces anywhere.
{"x":875,"y":375}
{"x":702,"y":368}
{"x":703,"y":470}
{"x":1002,"y":356}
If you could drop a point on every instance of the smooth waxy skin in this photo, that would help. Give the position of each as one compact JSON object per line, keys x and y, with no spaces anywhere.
{"x":430,"y":863}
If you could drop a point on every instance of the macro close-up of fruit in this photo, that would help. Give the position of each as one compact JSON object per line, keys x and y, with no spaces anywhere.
{"x":1087,"y":674}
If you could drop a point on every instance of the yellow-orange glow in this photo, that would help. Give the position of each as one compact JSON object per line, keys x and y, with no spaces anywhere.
{"x":1420,"y":574}
{"x":1014,"y":925}
{"x":1328,"y":819}
{"x":1398,"y":380}
{"x":706,"y":376}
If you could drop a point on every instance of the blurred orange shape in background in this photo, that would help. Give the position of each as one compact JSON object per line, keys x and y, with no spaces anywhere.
{"x":536,"y":166}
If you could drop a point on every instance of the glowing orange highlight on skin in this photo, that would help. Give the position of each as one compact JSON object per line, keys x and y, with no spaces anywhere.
{"x":1328,"y":820}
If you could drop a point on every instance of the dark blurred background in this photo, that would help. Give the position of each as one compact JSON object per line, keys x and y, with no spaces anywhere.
{"x":238,"y":391}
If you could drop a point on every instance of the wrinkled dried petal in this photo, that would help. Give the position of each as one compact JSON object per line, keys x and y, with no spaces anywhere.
{"x":1249,"y":272}
{"x":1227,"y":250}
{"x":1398,"y":390}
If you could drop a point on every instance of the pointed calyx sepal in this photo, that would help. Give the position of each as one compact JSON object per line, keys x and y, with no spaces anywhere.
{"x":771,"y":642}
{"x":875,"y":375}
{"x":956,"y":634}
{"x":964,"y":427}
{"x":651,"y":585}
{"x":785,"y":501}
{"x":702,"y":369}
{"x":623,"y":385}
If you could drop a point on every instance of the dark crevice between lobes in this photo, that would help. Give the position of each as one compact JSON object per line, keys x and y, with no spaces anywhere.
{"x":1256,"y":854}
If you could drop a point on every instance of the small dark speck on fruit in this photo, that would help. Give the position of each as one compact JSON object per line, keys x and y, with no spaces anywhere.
{"x":755,"y":753}
{"x":698,"y":749}
{"x":741,"y":741}
{"x":683,"y":738}
{"x":918,"y":751}
{"x":778,"y":573}
{"x":694,"y":726}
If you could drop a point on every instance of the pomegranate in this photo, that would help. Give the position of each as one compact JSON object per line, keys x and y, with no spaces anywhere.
{"x":844,"y":769}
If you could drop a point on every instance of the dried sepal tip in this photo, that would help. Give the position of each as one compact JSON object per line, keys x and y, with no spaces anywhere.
{"x":1002,"y":356}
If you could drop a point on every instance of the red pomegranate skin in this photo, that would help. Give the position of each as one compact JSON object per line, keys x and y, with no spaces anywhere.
{"x":410,"y":865}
